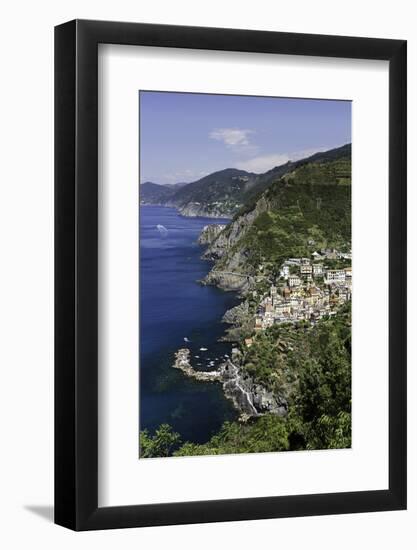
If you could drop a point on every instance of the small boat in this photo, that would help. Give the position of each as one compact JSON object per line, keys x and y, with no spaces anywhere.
{"x":197,"y":356}
{"x":186,"y":339}
{"x":203,"y":349}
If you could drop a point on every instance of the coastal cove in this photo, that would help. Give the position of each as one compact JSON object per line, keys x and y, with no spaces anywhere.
{"x":279,"y":275}
{"x":174,"y":306}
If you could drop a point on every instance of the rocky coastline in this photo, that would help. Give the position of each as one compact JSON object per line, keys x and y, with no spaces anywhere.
{"x":228,"y":281}
{"x":193,"y":210}
{"x":250,"y":399}
{"x":183,"y":363}
{"x":239,"y":319}
{"x":232,"y":234}
{"x":198,"y":210}
{"x":209,"y":233}
{"x":230,"y":271}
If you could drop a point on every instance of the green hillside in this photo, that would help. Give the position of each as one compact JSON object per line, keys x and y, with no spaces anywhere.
{"x":231,"y":191}
{"x":223,"y":189}
{"x":312,"y":367}
{"x":302,"y":217}
{"x":153,"y":193}
{"x":308,"y":208}
{"x":317,"y":161}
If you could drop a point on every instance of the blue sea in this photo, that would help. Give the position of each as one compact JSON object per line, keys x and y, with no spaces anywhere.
{"x":174,"y":306}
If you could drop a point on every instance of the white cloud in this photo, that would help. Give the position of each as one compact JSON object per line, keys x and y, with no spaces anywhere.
{"x":234,"y":138}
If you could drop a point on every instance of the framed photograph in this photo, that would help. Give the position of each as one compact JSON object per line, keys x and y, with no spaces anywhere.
{"x":230,"y":252}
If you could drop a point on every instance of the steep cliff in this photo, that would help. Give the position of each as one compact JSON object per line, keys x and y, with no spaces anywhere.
{"x":209,"y":233}
{"x":199,"y":210}
{"x":305,"y":210}
{"x":250,"y":398}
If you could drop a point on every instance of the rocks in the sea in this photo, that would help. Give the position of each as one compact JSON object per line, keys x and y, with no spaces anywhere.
{"x":209,"y":233}
{"x":249,"y":398}
{"x":182,"y":362}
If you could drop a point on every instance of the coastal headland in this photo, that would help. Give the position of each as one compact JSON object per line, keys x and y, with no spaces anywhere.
{"x":249,"y":398}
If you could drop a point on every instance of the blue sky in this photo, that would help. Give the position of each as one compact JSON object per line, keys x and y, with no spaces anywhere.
{"x":184,"y":137}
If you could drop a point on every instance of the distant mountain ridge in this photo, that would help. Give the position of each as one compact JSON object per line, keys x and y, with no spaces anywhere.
{"x":225,"y":192}
{"x":153,"y":193}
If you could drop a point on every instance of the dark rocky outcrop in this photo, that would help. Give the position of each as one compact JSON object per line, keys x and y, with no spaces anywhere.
{"x":249,"y":398}
{"x":198,"y":210}
{"x":237,"y":314}
{"x":231,"y":270}
{"x":228,"y":281}
{"x":209,"y":233}
{"x":237,"y":229}
{"x":182,"y":363}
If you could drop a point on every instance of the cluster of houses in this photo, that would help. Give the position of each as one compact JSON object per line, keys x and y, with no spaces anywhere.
{"x":306,"y":290}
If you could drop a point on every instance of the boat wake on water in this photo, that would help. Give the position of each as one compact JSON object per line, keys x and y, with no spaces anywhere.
{"x":163,"y":231}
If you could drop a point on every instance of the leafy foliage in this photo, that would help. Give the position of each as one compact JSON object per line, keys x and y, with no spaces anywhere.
{"x":336,"y":172}
{"x":300,"y":219}
{"x":308,"y":207}
{"x":265,"y":434}
{"x":312,"y":367}
{"x":162,"y":443}
{"x":342,"y":174}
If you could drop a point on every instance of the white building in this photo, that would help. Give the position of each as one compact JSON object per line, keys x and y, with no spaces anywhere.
{"x":335,"y":275}
{"x":285,"y":271}
{"x":306,"y":270}
{"x":294,"y":280}
{"x":317,"y":269}
{"x":281,"y":309}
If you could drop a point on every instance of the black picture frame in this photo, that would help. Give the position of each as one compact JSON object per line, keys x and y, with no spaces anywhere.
{"x":76,"y":272}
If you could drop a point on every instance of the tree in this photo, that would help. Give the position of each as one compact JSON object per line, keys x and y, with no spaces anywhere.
{"x":323,"y":405}
{"x":161,"y":444}
{"x":267,"y":433}
{"x":330,"y":432}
